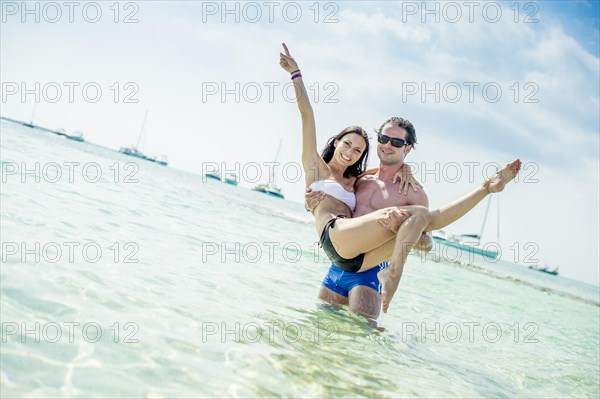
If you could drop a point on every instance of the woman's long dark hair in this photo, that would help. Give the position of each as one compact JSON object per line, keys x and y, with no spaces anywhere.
{"x":359,"y":166}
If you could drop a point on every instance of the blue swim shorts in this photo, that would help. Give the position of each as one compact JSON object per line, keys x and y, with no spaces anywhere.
{"x":342,"y":282}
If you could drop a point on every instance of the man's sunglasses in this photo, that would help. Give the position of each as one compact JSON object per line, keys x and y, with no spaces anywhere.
{"x":396,"y":142}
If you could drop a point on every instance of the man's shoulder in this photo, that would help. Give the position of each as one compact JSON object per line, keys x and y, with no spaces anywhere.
{"x":365,"y":178}
{"x":412,"y":197}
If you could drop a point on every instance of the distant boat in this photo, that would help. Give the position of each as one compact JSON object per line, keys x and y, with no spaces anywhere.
{"x":135,"y":152}
{"x":231,"y":178}
{"x":464,"y":242}
{"x":469,"y":242}
{"x":76,"y":136}
{"x":271,"y":187}
{"x":213,"y":175}
{"x":545,"y":269}
{"x":30,"y":124}
{"x":132,"y":151}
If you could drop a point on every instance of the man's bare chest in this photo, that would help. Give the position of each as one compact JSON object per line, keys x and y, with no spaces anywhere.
{"x":374,"y":194}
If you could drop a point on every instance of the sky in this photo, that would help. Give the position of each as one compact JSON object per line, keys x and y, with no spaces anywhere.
{"x":483,"y":82}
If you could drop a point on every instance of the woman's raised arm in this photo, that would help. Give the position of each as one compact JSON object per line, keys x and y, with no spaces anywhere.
{"x":311,"y":160}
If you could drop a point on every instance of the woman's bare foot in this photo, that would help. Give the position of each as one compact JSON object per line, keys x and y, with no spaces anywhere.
{"x":394,"y":219}
{"x":496,"y":183}
{"x":389,"y":280}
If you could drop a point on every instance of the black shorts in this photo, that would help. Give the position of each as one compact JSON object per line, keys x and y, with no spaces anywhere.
{"x":349,"y":265}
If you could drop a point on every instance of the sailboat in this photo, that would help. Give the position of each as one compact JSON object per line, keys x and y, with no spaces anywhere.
{"x":135,"y":152}
{"x":76,"y":136}
{"x":271,"y":187}
{"x":231,"y":178}
{"x":213,"y":175}
{"x":469,"y":242}
{"x":545,"y":268}
{"x":30,"y":124}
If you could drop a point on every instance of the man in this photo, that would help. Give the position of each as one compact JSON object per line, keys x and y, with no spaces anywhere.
{"x":362,"y":291}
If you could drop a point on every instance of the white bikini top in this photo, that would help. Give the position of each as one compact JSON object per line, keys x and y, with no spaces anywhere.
{"x":336,"y":190}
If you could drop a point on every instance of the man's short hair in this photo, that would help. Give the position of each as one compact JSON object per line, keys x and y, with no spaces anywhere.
{"x":411,"y":134}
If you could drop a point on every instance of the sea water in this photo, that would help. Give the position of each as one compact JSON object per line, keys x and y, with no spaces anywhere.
{"x":124,"y":278}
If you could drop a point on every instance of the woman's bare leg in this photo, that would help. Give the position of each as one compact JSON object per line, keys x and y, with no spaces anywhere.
{"x":450,"y":213}
{"x":363,"y":234}
{"x":386,"y":251}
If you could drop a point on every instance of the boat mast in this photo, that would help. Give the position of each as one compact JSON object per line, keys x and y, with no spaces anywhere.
{"x":32,"y":113}
{"x":485,"y":217}
{"x":141,"y":135}
{"x":498,"y":216}
{"x":272,"y":179}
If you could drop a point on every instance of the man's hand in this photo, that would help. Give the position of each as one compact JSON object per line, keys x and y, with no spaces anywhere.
{"x":393,"y":219}
{"x":312,"y":199}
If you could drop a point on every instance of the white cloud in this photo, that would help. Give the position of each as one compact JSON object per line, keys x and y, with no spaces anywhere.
{"x":352,"y":23}
{"x":558,"y":52}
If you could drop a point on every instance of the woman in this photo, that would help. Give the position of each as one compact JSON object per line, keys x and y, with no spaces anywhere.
{"x":352,"y":244}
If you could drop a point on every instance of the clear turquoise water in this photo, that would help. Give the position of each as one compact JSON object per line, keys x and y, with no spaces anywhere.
{"x":208,"y":310}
